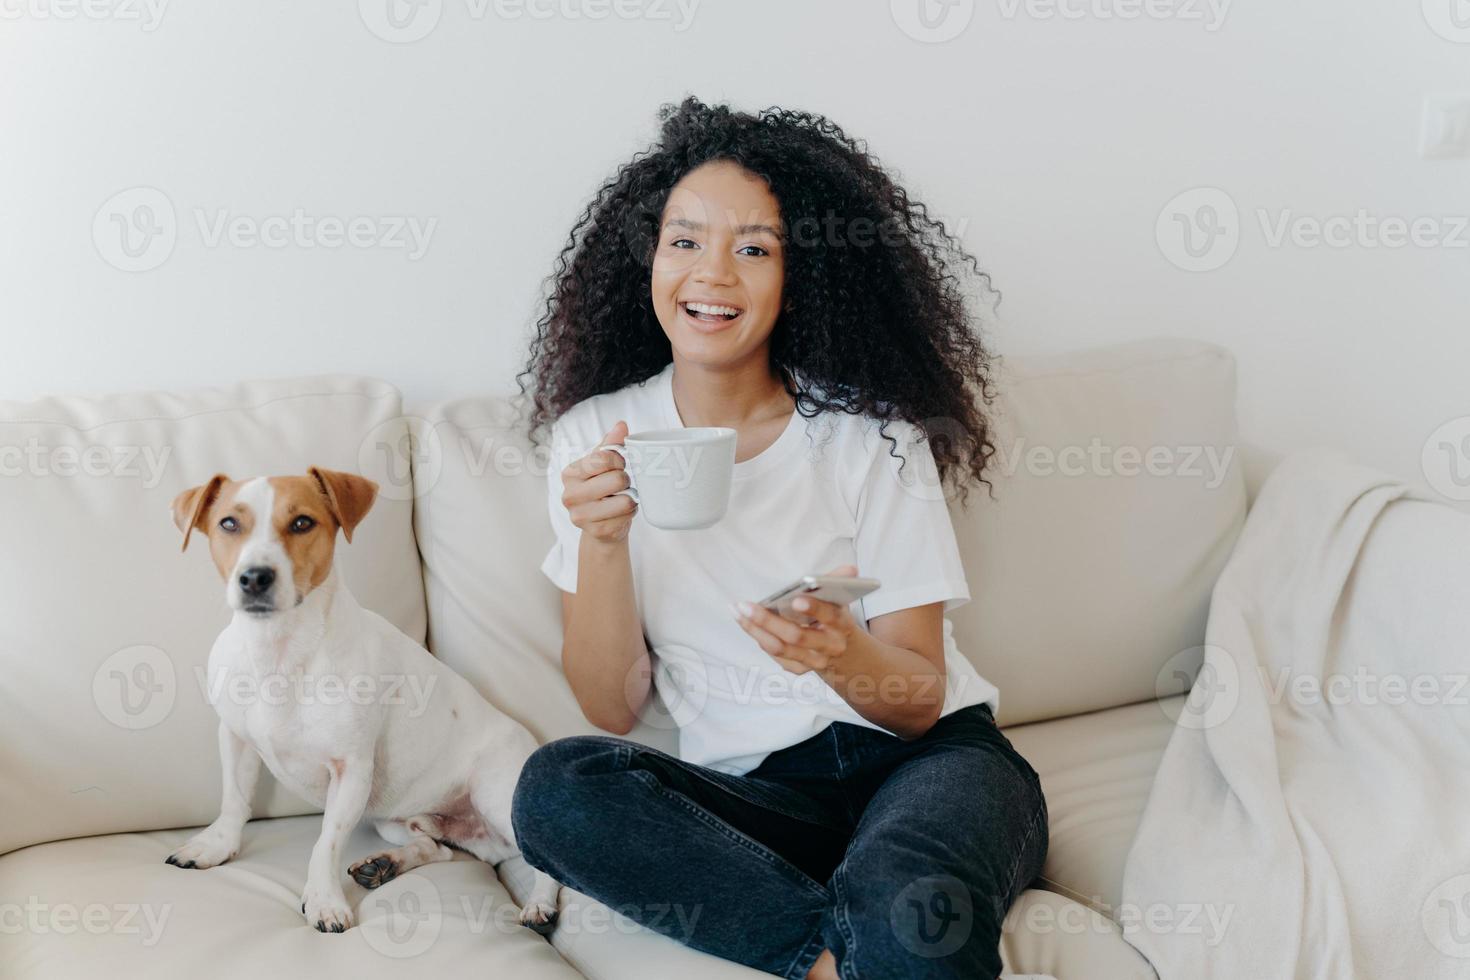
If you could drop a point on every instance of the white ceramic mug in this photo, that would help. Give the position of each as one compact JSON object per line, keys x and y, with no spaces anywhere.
{"x":680,"y":477}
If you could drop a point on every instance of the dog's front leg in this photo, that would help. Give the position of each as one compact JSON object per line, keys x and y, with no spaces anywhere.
{"x":323,"y":902}
{"x":220,"y":841}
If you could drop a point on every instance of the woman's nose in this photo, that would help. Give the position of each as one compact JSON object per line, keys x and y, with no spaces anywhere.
{"x":715,"y":267}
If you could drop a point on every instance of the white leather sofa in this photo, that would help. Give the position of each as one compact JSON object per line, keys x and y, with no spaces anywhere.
{"x":1091,"y":571}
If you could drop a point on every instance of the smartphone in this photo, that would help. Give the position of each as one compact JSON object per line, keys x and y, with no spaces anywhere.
{"x":839,"y":589}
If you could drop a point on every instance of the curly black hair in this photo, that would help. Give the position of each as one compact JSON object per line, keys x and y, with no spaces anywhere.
{"x":873,"y":319}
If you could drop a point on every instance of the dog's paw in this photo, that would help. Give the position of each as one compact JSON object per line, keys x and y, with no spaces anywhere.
{"x":204,"y":850}
{"x":374,"y":871}
{"x":539,"y":917}
{"x":326,"y":909}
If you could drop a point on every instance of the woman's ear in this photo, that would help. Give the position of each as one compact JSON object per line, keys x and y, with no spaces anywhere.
{"x":349,"y":496}
{"x":190,"y":507}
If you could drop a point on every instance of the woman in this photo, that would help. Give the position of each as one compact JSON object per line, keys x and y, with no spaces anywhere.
{"x":843,"y":804}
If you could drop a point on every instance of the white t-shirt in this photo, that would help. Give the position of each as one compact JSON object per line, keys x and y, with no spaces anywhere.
{"x":825,"y":493}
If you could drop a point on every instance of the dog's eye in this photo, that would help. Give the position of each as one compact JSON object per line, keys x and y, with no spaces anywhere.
{"x":302,"y":524}
{"x":229,"y":525}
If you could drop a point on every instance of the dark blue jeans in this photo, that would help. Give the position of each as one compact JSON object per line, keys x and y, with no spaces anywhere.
{"x":902,"y":857}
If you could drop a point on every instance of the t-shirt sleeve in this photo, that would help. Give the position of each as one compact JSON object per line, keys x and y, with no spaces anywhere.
{"x":904,"y":536}
{"x":560,"y":564}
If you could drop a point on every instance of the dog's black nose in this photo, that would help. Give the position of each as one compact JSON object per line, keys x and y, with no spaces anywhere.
{"x":256,"y":579}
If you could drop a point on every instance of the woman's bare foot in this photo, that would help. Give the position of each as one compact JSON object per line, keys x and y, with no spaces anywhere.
{"x":825,"y":968}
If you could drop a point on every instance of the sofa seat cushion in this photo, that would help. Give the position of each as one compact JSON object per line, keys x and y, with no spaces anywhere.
{"x":109,"y":907}
{"x":1045,"y":934}
{"x":1096,"y":771}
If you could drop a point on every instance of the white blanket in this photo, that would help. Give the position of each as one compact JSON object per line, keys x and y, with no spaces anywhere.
{"x":1311,"y":815}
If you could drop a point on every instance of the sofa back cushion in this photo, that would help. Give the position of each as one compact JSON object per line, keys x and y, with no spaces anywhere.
{"x":1117,"y":499}
{"x":482,"y":528}
{"x":1118,"y":496}
{"x":105,"y":628}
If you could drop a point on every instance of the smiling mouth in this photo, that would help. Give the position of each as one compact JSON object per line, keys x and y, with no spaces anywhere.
{"x":710,"y":312}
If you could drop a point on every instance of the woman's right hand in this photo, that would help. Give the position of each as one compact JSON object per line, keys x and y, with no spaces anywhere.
{"x":590,"y":488}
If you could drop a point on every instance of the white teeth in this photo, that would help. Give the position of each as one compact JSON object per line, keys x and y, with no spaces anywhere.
{"x":711,"y":310}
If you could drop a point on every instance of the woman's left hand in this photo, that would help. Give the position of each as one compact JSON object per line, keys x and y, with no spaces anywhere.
{"x":801,"y":648}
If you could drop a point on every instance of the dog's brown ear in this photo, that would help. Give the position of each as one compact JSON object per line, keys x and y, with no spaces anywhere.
{"x":192,"y":505}
{"x":348,"y":495}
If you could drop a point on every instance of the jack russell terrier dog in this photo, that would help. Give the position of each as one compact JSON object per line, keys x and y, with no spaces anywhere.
{"x":431,"y":780}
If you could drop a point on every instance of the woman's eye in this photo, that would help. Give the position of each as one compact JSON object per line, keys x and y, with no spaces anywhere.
{"x":302,"y":524}
{"x":753,"y":250}
{"x":682,"y":243}
{"x":229,"y":525}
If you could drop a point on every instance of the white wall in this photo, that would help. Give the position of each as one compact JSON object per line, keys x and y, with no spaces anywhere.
{"x":1055,"y":141}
